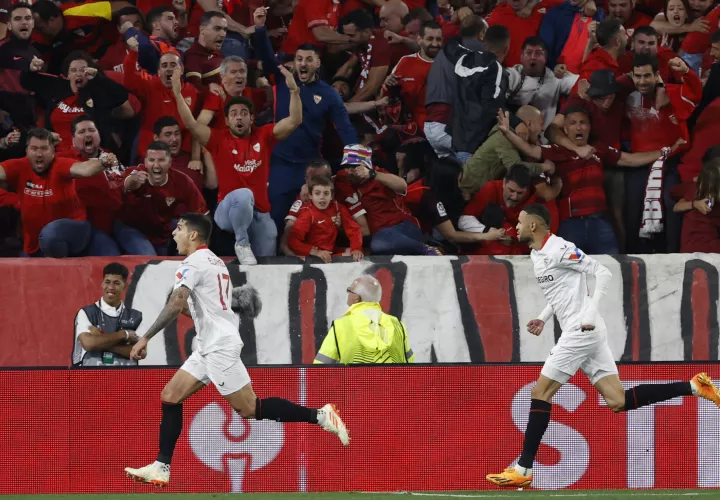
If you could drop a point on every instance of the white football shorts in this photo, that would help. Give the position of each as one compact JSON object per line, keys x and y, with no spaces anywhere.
{"x":587,"y":351}
{"x":224,"y":368}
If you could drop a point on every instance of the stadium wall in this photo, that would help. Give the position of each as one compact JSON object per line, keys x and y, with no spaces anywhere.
{"x":413,"y":428}
{"x":457,"y":309}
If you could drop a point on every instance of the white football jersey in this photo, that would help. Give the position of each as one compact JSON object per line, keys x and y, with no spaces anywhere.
{"x":210,"y":300}
{"x":561,"y":269}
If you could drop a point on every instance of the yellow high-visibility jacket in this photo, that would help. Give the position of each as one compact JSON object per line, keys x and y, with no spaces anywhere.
{"x":365,"y":334}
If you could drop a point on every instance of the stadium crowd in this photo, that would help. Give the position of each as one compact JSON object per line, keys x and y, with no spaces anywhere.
{"x":355,"y":127}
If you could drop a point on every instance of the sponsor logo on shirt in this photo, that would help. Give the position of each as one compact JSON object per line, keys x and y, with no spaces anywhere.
{"x":180,"y":275}
{"x":321,"y":221}
{"x":296,"y":206}
{"x":248,"y":167}
{"x":37,"y":190}
{"x":441,"y":209}
{"x":70,"y":109}
{"x":545,"y":279}
{"x":576,"y":255}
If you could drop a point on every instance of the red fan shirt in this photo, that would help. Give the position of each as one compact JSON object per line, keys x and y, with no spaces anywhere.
{"x":44,"y":197}
{"x":243,"y":162}
{"x":385,"y":208}
{"x":151,"y":209}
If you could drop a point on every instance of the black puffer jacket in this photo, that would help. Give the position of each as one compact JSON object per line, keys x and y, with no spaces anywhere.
{"x":481,"y":89}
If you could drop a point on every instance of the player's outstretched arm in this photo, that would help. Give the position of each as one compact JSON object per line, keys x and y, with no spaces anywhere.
{"x":175,"y":305}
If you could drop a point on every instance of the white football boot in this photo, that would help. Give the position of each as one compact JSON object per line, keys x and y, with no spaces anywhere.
{"x":329,"y":419}
{"x":156,"y":473}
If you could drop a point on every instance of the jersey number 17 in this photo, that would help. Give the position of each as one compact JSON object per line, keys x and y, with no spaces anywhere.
{"x":224,"y":298}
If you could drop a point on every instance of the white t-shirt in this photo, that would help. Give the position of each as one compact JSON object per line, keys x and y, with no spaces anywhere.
{"x":561,"y":269}
{"x":544,"y":94}
{"x":210,"y":300}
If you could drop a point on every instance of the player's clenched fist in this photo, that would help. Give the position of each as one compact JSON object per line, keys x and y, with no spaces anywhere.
{"x":535,"y":326}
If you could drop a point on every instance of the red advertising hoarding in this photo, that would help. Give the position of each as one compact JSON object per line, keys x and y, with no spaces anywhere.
{"x":412,"y":428}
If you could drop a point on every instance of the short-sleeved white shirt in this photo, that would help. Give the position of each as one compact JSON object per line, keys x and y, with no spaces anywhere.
{"x":210,"y":301}
{"x":561,"y":268}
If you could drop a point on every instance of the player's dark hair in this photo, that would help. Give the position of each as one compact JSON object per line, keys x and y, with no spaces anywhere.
{"x":116,"y":269}
{"x":715,"y":37}
{"x":162,"y":122}
{"x":78,"y":55}
{"x":128,"y":11}
{"x":711,"y":155}
{"x":39,"y":133}
{"x":19,"y":5}
{"x":317,"y":164}
{"x":535,"y":41}
{"x":607,"y":30}
{"x":78,"y":119}
{"x":239,"y":100}
{"x":708,"y":181}
{"x":472,"y":26}
{"x":429,"y":25}
{"x":199,"y":223}
{"x":646,"y":30}
{"x":497,"y":38}
{"x":46,"y":10}
{"x":361,"y":18}
{"x":418,"y":155}
{"x":320,"y":180}
{"x":519,"y":174}
{"x":159,"y":146}
{"x":309,"y":46}
{"x":418,"y":13}
{"x":645,"y":60}
{"x":576,"y":109}
{"x":155,"y":14}
{"x":209,"y":16}
{"x":539,"y":210}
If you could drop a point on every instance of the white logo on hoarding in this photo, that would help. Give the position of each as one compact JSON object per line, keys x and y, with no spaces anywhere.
{"x":236,"y":445}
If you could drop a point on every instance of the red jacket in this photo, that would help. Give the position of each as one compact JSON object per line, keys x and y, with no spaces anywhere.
{"x":315,"y":228}
{"x":599,"y":58}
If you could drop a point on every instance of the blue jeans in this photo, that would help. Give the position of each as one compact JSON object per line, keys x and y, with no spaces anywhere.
{"x":134,"y":242}
{"x":594,"y":236}
{"x":237,"y":214}
{"x":102,"y":245}
{"x":401,"y":239}
{"x":64,"y":238}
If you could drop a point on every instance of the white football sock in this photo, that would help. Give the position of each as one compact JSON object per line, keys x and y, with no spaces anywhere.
{"x":523,"y":471}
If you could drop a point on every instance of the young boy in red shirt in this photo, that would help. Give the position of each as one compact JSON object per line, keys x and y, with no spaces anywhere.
{"x":316,"y":228}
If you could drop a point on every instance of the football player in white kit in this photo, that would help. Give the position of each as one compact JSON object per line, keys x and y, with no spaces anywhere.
{"x":561,"y":270}
{"x":203,"y":290}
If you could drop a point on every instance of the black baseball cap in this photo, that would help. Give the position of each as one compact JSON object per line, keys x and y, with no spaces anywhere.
{"x":602,"y":83}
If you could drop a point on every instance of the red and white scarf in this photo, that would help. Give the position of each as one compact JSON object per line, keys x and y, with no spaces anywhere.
{"x":653,"y":218}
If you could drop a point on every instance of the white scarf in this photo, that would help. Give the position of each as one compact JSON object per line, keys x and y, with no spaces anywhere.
{"x":652,"y":218}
